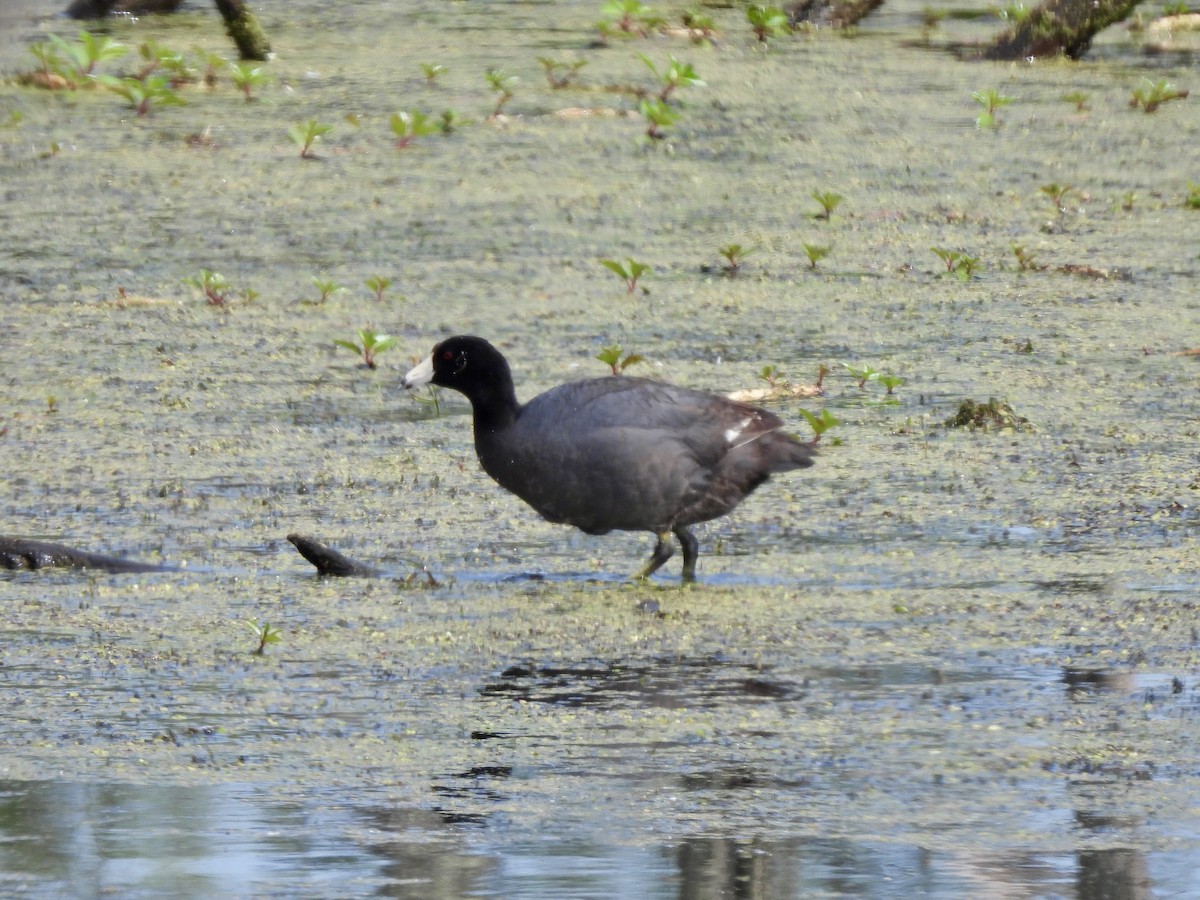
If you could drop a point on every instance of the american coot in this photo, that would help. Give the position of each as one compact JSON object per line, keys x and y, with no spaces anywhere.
{"x":615,"y":452}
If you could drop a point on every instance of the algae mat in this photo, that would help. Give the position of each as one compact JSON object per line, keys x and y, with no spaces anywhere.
{"x":942,"y":662}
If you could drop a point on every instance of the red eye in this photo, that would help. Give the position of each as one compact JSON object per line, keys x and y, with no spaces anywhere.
{"x":447,"y":355}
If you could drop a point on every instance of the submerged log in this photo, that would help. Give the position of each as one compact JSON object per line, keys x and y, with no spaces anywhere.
{"x":1057,"y":27}
{"x":243,"y":27}
{"x":831,"y":13}
{"x":19,"y":553}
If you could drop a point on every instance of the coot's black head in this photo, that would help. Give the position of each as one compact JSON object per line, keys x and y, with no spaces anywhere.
{"x":471,"y":366}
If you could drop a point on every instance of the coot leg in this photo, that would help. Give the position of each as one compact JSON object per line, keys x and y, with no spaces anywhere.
{"x":691,"y":550}
{"x":662,"y":552}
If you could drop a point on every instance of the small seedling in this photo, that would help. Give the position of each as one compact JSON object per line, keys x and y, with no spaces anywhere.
{"x":214,"y":286}
{"x":931,"y":20}
{"x":264,"y":633}
{"x":15,"y":117}
{"x":144,"y":95}
{"x":51,"y":404}
{"x":822,"y":372}
{"x":958,"y":264}
{"x":814,"y":253}
{"x":560,"y":74}
{"x":1127,"y":200}
{"x":629,"y":17}
{"x":1178,"y":8}
{"x":1026,"y":261}
{"x":1155,"y":94}
{"x":432,"y":71}
{"x":629,"y":273}
{"x":502,"y":85}
{"x":327,"y":287}
{"x":673,"y":76}
{"x":371,"y":344}
{"x":889,"y":381}
{"x":829,"y":202}
{"x":158,"y":58}
{"x":51,"y":62}
{"x":247,"y":77}
{"x":1079,"y":98}
{"x":991,"y":100}
{"x":862,"y":374}
{"x":212,"y":63}
{"x":773,"y":376}
{"x":410,"y":124}
{"x":1014,"y":12}
{"x":378,"y":284}
{"x":451,"y":121}
{"x":735,"y":255}
{"x":700,"y":26}
{"x":1056,"y":192}
{"x":305,"y":134}
{"x":611,"y":357}
{"x":820,"y":422}
{"x":1192,"y":200}
{"x":658,"y":115}
{"x":767,"y":22}
{"x":84,"y":56}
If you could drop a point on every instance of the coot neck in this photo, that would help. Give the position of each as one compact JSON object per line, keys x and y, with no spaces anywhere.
{"x":494,"y":403}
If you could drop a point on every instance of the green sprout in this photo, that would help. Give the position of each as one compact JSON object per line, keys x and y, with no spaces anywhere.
{"x":451,"y":121}
{"x":674,"y":75}
{"x":767,"y":22}
{"x":734,"y":255}
{"x":958,"y":264}
{"x":1026,"y":261}
{"x":611,"y":357}
{"x":1079,"y":98}
{"x":305,"y":134}
{"x":629,"y":17}
{"x":889,"y":381}
{"x":247,"y":77}
{"x":326,"y":287}
{"x":143,"y":95}
{"x":814,"y":253}
{"x":658,"y":115}
{"x":991,"y":100}
{"x":1192,"y":200}
{"x":213,"y":284}
{"x":862,"y":373}
{"x":408,"y":125}
{"x":931,"y":20}
{"x":45,"y":53}
{"x":84,"y":56}
{"x":829,"y":202}
{"x":1155,"y":94}
{"x":370,"y":344}
{"x":629,"y":273}
{"x":1178,"y":8}
{"x":431,"y":71}
{"x":773,"y":376}
{"x":820,"y":422}
{"x":700,"y":26}
{"x":501,"y":84}
{"x":378,"y":284}
{"x":1056,"y":192}
{"x":213,"y":63}
{"x":158,"y":58}
{"x":560,"y":74}
{"x":264,"y":633}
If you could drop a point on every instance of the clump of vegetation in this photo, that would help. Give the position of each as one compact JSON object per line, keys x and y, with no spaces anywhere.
{"x":629,"y":271}
{"x":861,"y":373}
{"x":959,"y":265}
{"x":931,"y":20}
{"x":1155,"y":94}
{"x":326,"y":287}
{"x":1056,"y":192}
{"x":247,"y":77}
{"x":627,"y":18}
{"x":378,"y":284}
{"x":1026,"y":261}
{"x":992,"y":415}
{"x":264,"y":633}
{"x":502,"y":85}
{"x":560,"y":74}
{"x":305,"y":134}
{"x":829,"y":202}
{"x":1079,"y":98}
{"x":83,"y":57}
{"x":767,"y":21}
{"x":674,"y":75}
{"x":700,"y":26}
{"x":1192,"y":200}
{"x":991,"y":100}
{"x":370,"y":344}
{"x":734,"y":256}
{"x":451,"y":121}
{"x":814,"y":252}
{"x":820,"y":422}
{"x":658,"y":114}
{"x":611,"y":357}
{"x":432,"y":71}
{"x":143,"y":94}
{"x":214,"y":285}
{"x":408,"y":125}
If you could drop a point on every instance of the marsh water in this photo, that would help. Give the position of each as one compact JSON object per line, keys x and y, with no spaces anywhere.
{"x":944,"y":662}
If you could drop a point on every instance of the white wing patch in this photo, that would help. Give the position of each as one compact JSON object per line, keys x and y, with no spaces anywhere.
{"x":732,"y":434}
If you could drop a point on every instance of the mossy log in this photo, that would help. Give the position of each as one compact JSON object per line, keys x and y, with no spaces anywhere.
{"x":831,"y":13}
{"x":243,"y":27}
{"x":1059,"y":27}
{"x":19,"y":553}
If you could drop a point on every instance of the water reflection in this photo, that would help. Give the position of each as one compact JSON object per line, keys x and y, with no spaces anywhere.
{"x":102,"y":840}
